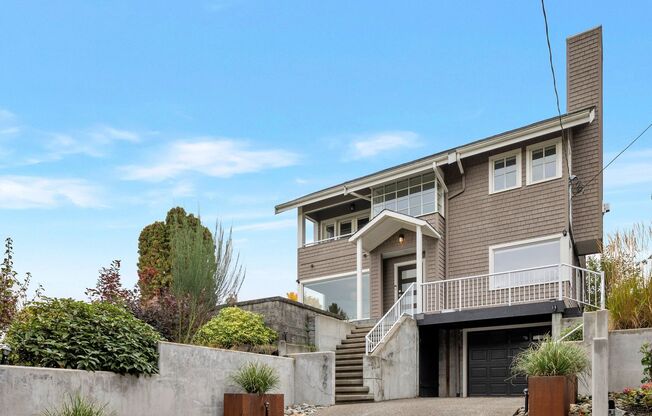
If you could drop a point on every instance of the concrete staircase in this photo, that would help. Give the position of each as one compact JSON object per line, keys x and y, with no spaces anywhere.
{"x":348,"y":368}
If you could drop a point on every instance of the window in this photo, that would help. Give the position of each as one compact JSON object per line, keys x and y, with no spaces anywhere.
{"x":544,"y":161}
{"x":329,"y":231}
{"x":515,"y":258}
{"x":505,"y":171}
{"x":338,"y":295}
{"x":362,"y":222}
{"x":345,"y":228}
{"x":415,"y":196}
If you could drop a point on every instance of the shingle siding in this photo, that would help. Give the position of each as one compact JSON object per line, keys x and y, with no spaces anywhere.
{"x":477,"y":219}
{"x":584,"y":89}
{"x":325,"y":259}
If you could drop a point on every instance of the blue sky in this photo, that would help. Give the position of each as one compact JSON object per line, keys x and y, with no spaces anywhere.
{"x":113,"y":112}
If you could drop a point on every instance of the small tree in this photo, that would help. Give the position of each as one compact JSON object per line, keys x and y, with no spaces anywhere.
{"x":13,"y":290}
{"x":109,"y":287}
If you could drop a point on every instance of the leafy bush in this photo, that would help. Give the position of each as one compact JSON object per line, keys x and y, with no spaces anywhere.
{"x":234,"y":326}
{"x":64,"y":333}
{"x":551,"y":358}
{"x":78,"y":406}
{"x":646,"y":361}
{"x":256,"y":378}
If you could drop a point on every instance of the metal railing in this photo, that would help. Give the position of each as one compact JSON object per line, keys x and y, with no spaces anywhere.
{"x":405,"y":305}
{"x":558,"y":281}
{"x":327,"y":240}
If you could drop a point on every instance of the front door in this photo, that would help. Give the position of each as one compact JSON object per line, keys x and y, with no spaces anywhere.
{"x":406,"y":275}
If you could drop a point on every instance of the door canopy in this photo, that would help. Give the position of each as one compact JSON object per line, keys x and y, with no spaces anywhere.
{"x":386,"y":224}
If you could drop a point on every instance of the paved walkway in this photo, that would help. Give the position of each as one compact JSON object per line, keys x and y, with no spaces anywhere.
{"x":472,"y":406}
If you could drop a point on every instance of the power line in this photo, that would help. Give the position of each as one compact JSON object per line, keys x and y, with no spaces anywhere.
{"x":616,"y":157}
{"x":552,"y":66}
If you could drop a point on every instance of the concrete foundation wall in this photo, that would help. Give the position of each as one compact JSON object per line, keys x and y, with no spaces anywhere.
{"x":329,"y":332}
{"x":314,"y":378}
{"x":392,"y":370}
{"x":191,"y":382}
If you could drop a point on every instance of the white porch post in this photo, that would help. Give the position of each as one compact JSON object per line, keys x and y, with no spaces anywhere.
{"x":419,"y":268}
{"x":358,"y":283}
{"x":301,"y":225}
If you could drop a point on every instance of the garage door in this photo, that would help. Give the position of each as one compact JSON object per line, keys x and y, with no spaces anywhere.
{"x":490,"y":358}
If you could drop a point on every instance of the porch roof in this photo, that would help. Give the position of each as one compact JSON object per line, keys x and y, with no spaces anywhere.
{"x":386,"y":224}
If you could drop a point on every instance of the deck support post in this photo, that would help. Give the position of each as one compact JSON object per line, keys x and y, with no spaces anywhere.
{"x":419,"y":244}
{"x":358,"y":281}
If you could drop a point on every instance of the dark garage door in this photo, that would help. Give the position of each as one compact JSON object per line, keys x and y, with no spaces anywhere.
{"x":490,"y":358}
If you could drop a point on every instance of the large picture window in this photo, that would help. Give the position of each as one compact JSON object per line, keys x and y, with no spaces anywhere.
{"x":338,"y":295}
{"x":415,"y":196}
{"x":525,"y":264}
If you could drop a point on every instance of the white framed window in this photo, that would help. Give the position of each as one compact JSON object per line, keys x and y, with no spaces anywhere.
{"x":543,"y":161}
{"x":527,"y":262}
{"x":343,"y":226}
{"x":415,"y":196}
{"x":505,"y":171}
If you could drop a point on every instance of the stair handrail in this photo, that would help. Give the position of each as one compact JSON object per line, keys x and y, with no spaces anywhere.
{"x":384,"y":325}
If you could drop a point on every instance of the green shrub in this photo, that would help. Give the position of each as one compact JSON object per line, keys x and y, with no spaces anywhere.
{"x":232,"y":327}
{"x":65,"y":333}
{"x":256,"y":378}
{"x":78,"y":406}
{"x":646,"y":362}
{"x":551,"y":358}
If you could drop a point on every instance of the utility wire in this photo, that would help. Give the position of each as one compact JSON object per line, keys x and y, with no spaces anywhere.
{"x":617,"y":156}
{"x":552,"y":66}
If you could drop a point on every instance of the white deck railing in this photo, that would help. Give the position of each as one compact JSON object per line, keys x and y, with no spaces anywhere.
{"x":405,"y":305}
{"x":536,"y":284}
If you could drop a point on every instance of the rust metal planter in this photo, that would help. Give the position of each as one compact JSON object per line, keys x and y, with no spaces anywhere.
{"x":551,"y":396}
{"x":242,"y":404}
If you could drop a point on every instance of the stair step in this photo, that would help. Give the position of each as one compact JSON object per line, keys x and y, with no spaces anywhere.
{"x":348,"y":341}
{"x":348,"y":382}
{"x":356,"y":337}
{"x":348,"y":375}
{"x":361,"y":330}
{"x":351,"y":361}
{"x":339,"y":398}
{"x":348,"y":368}
{"x":354,"y":350}
{"x":345,"y":355}
{"x":352,"y":389}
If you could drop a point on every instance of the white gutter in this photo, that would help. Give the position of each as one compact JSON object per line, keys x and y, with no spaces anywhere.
{"x":501,"y":140}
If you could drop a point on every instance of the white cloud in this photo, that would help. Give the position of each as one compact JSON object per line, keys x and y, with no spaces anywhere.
{"x":216,"y":157}
{"x":362,"y":147}
{"x":107,"y":134}
{"x":301,"y":181}
{"x":266,"y":226}
{"x":6,"y":115}
{"x":21,"y":192}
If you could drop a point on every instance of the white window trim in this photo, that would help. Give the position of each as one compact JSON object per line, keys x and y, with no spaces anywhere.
{"x":528,"y":165}
{"x":565,"y":252}
{"x":517,"y":153}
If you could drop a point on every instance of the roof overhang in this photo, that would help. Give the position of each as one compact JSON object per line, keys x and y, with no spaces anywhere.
{"x":386,"y":224}
{"x":522,"y":134}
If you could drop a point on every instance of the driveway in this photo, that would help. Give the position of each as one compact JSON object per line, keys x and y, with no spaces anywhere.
{"x":472,"y":406}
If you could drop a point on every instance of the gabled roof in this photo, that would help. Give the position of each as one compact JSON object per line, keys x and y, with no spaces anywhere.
{"x":531,"y":131}
{"x":386,"y":224}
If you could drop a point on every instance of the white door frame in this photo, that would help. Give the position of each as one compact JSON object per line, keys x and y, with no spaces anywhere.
{"x":465,"y":345}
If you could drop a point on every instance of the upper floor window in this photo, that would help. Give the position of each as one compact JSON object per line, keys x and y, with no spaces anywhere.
{"x":344,"y":226}
{"x":544,"y":161}
{"x":415,"y":196}
{"x":505,"y":171}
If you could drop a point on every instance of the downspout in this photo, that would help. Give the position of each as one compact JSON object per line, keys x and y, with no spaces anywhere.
{"x":451,"y":196}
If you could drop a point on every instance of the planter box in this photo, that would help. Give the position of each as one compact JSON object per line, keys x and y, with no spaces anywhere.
{"x":242,"y":404}
{"x":551,"y":396}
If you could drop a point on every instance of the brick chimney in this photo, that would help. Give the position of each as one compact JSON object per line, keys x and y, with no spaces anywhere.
{"x":584,"y":90}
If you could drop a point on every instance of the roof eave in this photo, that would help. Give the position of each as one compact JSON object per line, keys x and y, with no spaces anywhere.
{"x":551,"y":125}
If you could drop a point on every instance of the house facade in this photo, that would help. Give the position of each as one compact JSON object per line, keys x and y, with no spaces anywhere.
{"x":485,"y":244}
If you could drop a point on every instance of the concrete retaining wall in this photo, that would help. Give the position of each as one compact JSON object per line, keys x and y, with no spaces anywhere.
{"x":625,"y":368}
{"x":192,"y":381}
{"x":314,"y":378}
{"x":294,"y":321}
{"x":392,"y":370}
{"x":329,"y":332}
